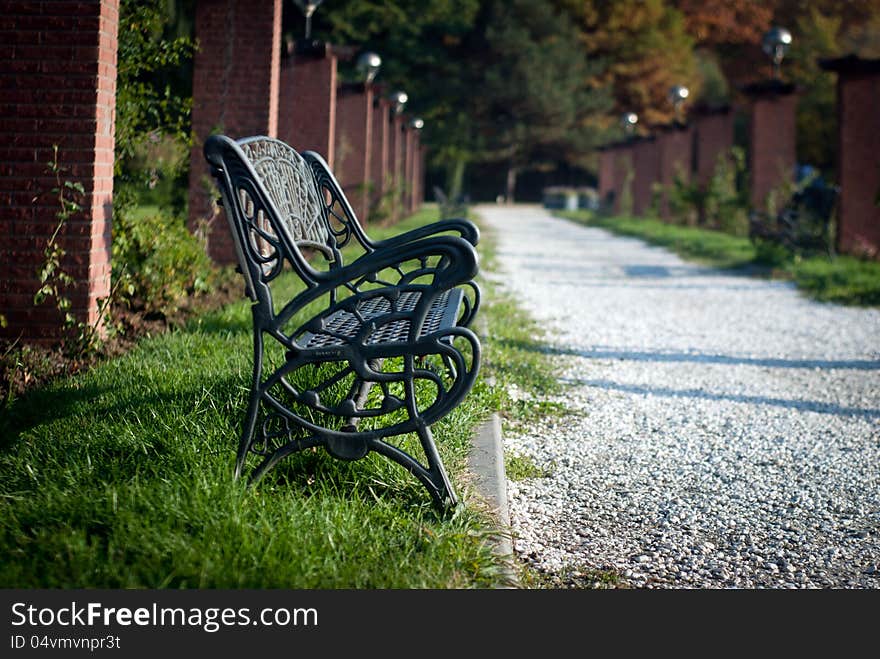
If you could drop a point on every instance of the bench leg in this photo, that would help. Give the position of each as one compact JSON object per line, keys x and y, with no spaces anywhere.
{"x":280,"y":453}
{"x":440,"y":487}
{"x":253,"y":408}
{"x":434,"y":478}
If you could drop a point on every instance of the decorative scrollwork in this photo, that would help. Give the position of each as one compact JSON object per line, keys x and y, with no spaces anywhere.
{"x":288,"y":180}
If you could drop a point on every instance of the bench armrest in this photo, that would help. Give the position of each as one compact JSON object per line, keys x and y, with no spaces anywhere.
{"x":458,"y":264}
{"x":465,"y":228}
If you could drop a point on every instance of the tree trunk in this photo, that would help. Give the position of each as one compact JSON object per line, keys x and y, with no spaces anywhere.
{"x":455,"y":179}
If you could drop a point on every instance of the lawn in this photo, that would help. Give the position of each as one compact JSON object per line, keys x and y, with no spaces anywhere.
{"x":121,"y":477}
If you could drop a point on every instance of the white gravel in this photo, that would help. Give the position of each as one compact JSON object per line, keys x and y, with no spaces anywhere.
{"x":730,"y":427}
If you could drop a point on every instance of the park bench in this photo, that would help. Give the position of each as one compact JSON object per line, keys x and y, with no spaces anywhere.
{"x":362,"y":354}
{"x":450,"y":208}
{"x":802,"y":225}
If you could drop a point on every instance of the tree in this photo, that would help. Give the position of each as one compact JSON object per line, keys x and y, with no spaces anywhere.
{"x":648,"y":50}
{"x":536,"y":103}
{"x":824,"y":29}
{"x":429,"y":49}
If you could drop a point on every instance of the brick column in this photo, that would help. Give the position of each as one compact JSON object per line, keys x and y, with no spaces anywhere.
{"x":646,"y":165}
{"x":419,"y":184}
{"x":772,"y":154}
{"x":379,"y":162}
{"x":307,"y":117}
{"x":858,"y":114}
{"x":395,"y":164}
{"x":235,"y":92}
{"x":624,"y":175}
{"x":713,"y":136}
{"x":415,"y":198}
{"x":57,"y":87}
{"x":409,"y":157}
{"x":616,"y":174}
{"x":606,"y":175}
{"x":675,"y":144}
{"x":354,"y":141}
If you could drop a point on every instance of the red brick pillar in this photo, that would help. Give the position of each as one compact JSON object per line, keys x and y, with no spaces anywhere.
{"x":616,"y":174}
{"x":858,"y":114}
{"x":354,"y":141}
{"x":606,"y":174}
{"x":235,"y":92}
{"x":675,"y":146}
{"x":624,"y":176}
{"x":419,"y":182}
{"x":713,"y":137}
{"x":379,"y":161}
{"x":396,"y":145}
{"x":409,"y":156}
{"x":307,"y":116}
{"x":646,"y":165}
{"x":415,"y":198}
{"x":772,"y":147}
{"x":57,"y":87}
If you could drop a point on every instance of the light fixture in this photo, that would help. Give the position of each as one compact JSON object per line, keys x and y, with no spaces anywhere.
{"x":368,"y":65}
{"x":677,"y":96}
{"x":308,"y":7}
{"x":417,"y":123}
{"x":629,"y":120}
{"x":399,"y":98}
{"x":775,"y":43}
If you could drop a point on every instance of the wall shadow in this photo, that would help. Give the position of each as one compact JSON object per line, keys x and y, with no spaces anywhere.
{"x":801,"y":405}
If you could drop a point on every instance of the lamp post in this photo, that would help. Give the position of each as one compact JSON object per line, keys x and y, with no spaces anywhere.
{"x":629,"y":120}
{"x":775,"y":44}
{"x":399,"y":98}
{"x":368,"y":65}
{"x":677,"y":96}
{"x":308,"y":7}
{"x":417,"y":124}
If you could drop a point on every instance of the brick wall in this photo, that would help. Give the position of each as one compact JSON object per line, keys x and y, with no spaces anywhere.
{"x":606,"y":173}
{"x":419,"y":175}
{"x":395,"y":160}
{"x":646,"y":166}
{"x":409,"y":156}
{"x":380,"y":157}
{"x":713,"y":136}
{"x":858,"y":114}
{"x":57,"y":87}
{"x":415,"y":179}
{"x":772,"y":146}
{"x":307,"y":119}
{"x":675,"y":144}
{"x":236,"y":78}
{"x":624,"y":174}
{"x":859,"y":210}
{"x":354,"y":141}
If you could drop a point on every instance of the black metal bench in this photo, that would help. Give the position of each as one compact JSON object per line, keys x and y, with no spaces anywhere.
{"x":803,"y":225}
{"x":365,"y":352}
{"x":456,"y":207}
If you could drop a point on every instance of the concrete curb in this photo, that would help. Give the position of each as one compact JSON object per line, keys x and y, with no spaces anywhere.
{"x":486,"y":463}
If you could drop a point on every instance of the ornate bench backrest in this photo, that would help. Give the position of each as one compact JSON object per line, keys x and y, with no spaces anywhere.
{"x":290,"y":183}
{"x":274,"y":207}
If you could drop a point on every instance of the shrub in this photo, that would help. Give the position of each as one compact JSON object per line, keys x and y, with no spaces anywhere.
{"x":157,"y":261}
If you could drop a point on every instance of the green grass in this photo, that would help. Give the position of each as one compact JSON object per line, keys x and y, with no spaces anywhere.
{"x":121,"y":477}
{"x":843,"y":279}
{"x":520,"y":468}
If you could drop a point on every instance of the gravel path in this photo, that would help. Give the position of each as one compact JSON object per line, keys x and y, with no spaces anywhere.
{"x":728,"y":433}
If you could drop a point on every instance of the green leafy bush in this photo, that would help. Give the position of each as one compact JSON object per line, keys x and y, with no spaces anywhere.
{"x":157,"y":261}
{"x":721,"y":203}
